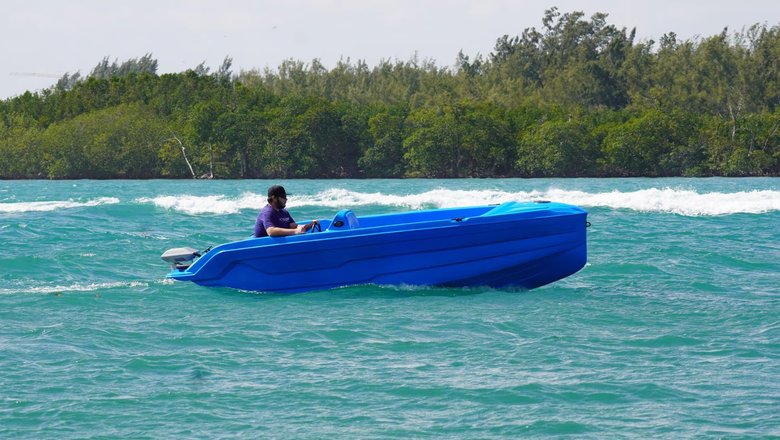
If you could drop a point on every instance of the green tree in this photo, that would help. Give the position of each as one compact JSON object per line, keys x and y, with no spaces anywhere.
{"x":486,"y":138}
{"x":753,"y":150}
{"x":556,"y":148}
{"x":651,"y":144}
{"x":20,"y":148}
{"x":119,"y":142}
{"x":433,"y":147}
{"x":384,"y":157}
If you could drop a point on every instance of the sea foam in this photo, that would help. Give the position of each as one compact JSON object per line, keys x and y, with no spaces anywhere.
{"x":664,"y":200}
{"x":89,"y":287}
{"x":683,"y":202}
{"x":54,"y":205}
{"x":217,"y":204}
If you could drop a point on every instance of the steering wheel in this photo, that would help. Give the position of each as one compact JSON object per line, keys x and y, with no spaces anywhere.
{"x":317,"y":227}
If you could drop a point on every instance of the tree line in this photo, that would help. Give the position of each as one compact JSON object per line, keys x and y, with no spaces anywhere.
{"x":577,"y":97}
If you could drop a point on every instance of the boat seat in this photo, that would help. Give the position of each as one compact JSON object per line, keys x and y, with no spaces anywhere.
{"x":502,"y":209}
{"x":344,"y":219}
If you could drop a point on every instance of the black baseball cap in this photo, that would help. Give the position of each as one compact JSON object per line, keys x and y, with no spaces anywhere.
{"x":278,"y":191}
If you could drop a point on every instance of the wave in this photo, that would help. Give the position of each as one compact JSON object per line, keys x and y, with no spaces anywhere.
{"x":667,"y":200}
{"x":55,"y":205}
{"x":72,"y":288}
{"x":208,"y":204}
{"x":675,"y":201}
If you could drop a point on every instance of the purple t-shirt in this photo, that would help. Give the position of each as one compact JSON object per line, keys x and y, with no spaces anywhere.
{"x":268,"y":216}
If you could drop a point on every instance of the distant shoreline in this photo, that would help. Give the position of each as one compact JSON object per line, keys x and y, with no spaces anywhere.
{"x":271,"y":179}
{"x":576,"y":98}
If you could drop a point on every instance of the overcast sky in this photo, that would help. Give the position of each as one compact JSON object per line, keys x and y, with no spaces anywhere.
{"x":40,"y":40}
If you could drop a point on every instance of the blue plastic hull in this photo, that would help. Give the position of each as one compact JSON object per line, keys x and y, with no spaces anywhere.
{"x":524,"y":245}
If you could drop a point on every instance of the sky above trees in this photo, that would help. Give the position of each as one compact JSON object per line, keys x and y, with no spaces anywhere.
{"x":44,"y":39}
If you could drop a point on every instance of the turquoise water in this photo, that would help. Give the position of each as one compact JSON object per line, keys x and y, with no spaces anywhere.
{"x":672,"y":329}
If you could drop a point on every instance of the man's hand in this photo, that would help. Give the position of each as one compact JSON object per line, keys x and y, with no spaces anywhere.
{"x":309,"y":225}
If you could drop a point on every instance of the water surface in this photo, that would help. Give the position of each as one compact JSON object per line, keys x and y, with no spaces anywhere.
{"x":671,"y":330}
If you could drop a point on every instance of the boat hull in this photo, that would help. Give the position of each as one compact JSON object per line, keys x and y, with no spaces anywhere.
{"x":520,"y":245}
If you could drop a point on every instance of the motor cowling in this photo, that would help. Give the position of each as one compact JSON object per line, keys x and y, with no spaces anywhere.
{"x":180,"y":257}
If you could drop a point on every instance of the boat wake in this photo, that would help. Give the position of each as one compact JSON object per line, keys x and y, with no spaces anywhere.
{"x":665,"y":200}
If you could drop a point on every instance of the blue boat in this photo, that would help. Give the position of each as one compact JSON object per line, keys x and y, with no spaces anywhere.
{"x":524,"y":245}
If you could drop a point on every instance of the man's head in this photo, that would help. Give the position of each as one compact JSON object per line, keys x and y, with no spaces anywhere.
{"x":277,"y":196}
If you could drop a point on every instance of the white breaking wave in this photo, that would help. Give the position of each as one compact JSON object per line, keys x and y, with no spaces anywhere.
{"x":683,"y":202}
{"x":208,"y":204}
{"x":667,"y":200}
{"x":54,"y":205}
{"x":72,"y":288}
{"x":438,"y":198}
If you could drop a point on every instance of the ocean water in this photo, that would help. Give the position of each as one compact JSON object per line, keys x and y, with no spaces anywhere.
{"x":672,"y":329}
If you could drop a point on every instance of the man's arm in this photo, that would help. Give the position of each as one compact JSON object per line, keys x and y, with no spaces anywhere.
{"x":275,"y":231}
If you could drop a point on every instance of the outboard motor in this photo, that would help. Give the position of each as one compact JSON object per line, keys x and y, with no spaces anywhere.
{"x":180,"y":258}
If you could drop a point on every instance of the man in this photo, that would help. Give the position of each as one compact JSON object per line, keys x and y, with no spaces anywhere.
{"x":274,"y":220}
